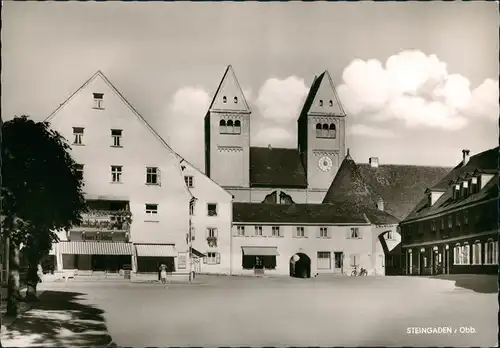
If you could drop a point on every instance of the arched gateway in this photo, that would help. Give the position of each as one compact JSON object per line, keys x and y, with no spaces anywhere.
{"x":300,"y":266}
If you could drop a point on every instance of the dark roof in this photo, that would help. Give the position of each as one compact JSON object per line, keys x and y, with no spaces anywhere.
{"x":484,"y":162}
{"x":312,"y":93}
{"x":276,"y":167}
{"x":400,"y":187}
{"x":308,"y":213}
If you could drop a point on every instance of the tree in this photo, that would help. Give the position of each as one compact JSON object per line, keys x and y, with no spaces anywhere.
{"x":41,"y":194}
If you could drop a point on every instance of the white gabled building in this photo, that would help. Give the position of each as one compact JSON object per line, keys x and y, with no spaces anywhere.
{"x":128,"y":167}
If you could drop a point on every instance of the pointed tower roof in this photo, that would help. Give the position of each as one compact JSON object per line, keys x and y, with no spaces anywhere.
{"x":229,"y":95}
{"x":323,"y":97}
{"x":349,"y":186}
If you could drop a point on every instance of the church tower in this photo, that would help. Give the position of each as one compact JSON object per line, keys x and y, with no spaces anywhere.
{"x":321,"y":133}
{"x":227,"y":135}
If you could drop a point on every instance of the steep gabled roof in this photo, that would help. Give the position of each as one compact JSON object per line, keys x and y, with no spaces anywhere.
{"x":230,"y":77}
{"x":349,"y":186}
{"x":399,"y":186}
{"x":276,"y":167}
{"x":136,"y":113}
{"x":486,"y":162}
{"x":323,"y":81}
{"x":338,"y":213}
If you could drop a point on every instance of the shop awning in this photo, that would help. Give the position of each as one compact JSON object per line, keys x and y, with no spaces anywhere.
{"x":260,"y":251}
{"x":95,"y":248}
{"x":156,"y":250}
{"x":197,"y":253}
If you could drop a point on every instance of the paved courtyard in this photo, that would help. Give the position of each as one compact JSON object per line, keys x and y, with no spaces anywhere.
{"x":244,"y":311}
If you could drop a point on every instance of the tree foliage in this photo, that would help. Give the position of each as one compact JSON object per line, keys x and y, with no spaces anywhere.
{"x":41,"y":190}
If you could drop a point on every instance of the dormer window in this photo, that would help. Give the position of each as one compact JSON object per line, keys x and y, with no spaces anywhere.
{"x":224,"y":99}
{"x":474,"y":185}
{"x":330,"y":103}
{"x":236,"y":100}
{"x":465,"y":188}
{"x":321,"y":103}
{"x":98,"y":101}
{"x":456,"y":191}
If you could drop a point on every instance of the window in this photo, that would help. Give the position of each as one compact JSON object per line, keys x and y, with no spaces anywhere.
{"x":213,"y":258}
{"x":324,"y":260}
{"x":474,"y":185}
{"x":240,"y":230}
{"x":191,"y":207}
{"x":116,"y":134}
{"x":457,"y":220}
{"x":323,"y":232}
{"x":491,"y":257}
{"x":78,"y":135}
{"x":237,"y":127}
{"x":189,"y":180}
{"x":79,"y":171}
{"x":330,"y":103}
{"x":465,"y":254}
{"x":321,"y":103}
{"x":324,"y":131}
{"x":354,"y":233}
{"x":465,"y":188}
{"x":450,"y":222}
{"x":300,"y":233}
{"x":229,"y":126}
{"x":457,"y":255}
{"x":151,"y":209}
{"x":354,"y":260}
{"x":222,"y":127}
{"x":332,"y":132}
{"x":466,"y":217}
{"x":98,"y":101}
{"x":224,"y":99}
{"x":476,"y":253}
{"x":116,"y":173}
{"x":152,"y":176}
{"x":318,"y":130}
{"x":276,"y":231}
{"x":211,"y":232}
{"x":389,"y":235}
{"x":236,"y":100}
{"x":212,"y":209}
{"x":442,"y":224}
{"x":258,"y":230}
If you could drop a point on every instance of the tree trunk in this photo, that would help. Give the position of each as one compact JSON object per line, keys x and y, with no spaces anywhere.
{"x":13,"y":293}
{"x":32,"y":281}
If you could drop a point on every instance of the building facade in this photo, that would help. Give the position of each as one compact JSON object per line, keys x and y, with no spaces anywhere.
{"x":454,"y":228}
{"x":304,"y":240}
{"x":303,"y":174}
{"x":137,"y":188}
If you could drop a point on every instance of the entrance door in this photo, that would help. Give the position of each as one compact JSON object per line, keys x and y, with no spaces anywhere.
{"x":446,"y":262}
{"x":259,"y":265}
{"x":338,"y":267}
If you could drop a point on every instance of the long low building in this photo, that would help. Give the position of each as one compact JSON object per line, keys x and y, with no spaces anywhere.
{"x":308,"y":239}
{"x":454,"y":228}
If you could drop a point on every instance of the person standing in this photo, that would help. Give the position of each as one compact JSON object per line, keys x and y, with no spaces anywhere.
{"x":163,"y":274}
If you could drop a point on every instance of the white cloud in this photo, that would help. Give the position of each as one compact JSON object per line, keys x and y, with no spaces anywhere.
{"x":274,"y":136}
{"x":416,"y":89}
{"x":369,"y":131}
{"x":280,"y":100}
{"x":184,"y":123}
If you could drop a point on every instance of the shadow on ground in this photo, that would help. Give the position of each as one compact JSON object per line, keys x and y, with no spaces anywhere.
{"x":484,"y":284}
{"x":59,"y":319}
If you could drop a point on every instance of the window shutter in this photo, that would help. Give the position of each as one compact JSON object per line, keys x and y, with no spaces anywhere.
{"x":360,"y":235}
{"x":305,"y":231}
{"x":348,"y":233}
{"x":205,"y":259}
{"x":217,"y":258}
{"x":328,"y":233}
{"x":318,"y":229}
{"x":206,"y":232}
{"x":216,"y":232}
{"x":235,"y":230}
{"x":158,"y":176}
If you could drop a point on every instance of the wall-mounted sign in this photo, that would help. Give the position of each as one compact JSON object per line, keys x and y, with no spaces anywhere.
{"x":97,"y":236}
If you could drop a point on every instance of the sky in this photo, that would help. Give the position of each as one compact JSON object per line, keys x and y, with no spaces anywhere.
{"x":418,"y":80}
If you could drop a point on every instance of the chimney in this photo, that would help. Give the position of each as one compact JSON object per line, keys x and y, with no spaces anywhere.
{"x":373,"y":162}
{"x":380,"y":204}
{"x":465,"y":155}
{"x":269,"y":147}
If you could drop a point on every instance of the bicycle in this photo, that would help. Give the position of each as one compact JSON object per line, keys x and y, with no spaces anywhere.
{"x":362,"y":272}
